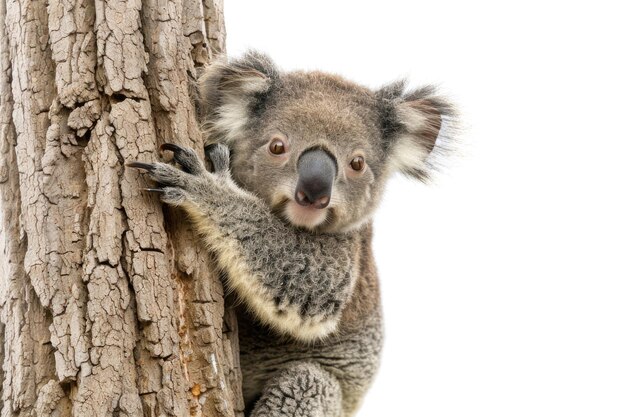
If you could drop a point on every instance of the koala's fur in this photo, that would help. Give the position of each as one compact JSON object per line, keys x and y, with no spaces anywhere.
{"x":310,"y":326}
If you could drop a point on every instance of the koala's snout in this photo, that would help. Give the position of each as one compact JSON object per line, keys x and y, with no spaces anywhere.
{"x":316,"y":174}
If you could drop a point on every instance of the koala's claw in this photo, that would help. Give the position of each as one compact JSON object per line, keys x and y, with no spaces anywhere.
{"x":176,"y":183}
{"x":219,"y":155}
{"x":164,"y":174}
{"x":171,"y":147}
{"x":154,"y":190}
{"x":172,"y":196}
{"x":186,"y":158}
{"x":173,"y":184}
{"x":141,"y":165}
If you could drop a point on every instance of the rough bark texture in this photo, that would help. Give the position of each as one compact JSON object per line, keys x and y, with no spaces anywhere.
{"x":109,"y":305}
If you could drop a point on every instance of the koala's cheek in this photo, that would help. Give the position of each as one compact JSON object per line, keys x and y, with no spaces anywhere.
{"x":248,"y":172}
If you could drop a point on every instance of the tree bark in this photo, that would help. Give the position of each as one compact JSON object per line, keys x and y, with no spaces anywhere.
{"x":109,"y":305}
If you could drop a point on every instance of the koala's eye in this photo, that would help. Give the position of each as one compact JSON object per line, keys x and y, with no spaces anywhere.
{"x":277,"y":147}
{"x":358,"y":163}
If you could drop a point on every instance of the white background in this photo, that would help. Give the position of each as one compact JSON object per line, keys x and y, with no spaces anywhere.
{"x":504,"y":284}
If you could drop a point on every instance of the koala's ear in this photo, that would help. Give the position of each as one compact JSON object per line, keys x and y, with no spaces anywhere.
{"x":229,"y":93}
{"x":412,"y":128}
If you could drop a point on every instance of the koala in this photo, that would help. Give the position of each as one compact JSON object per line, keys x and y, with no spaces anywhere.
{"x":298,"y":164}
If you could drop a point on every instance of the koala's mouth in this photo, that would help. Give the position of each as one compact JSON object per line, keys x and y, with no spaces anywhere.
{"x":307,"y":217}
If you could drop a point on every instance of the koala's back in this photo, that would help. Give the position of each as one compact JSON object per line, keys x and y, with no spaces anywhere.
{"x":351,"y":354}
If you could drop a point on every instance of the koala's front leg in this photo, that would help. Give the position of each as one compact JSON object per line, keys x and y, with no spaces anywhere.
{"x":295,"y":281}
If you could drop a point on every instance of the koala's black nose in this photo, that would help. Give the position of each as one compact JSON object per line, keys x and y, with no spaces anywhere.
{"x":316,"y":174}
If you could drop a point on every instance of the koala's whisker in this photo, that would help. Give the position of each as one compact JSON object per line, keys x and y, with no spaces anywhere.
{"x":330,"y":217}
{"x":279,"y":208}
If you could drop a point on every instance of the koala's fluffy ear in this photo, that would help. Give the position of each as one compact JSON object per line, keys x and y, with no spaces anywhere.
{"x":413,"y":131}
{"x":231,"y":92}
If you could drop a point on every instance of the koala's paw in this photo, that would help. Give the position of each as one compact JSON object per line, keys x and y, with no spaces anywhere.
{"x":177,"y":185}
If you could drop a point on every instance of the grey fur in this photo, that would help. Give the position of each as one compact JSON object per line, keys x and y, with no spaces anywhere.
{"x":302,"y":389}
{"x":310,"y":321}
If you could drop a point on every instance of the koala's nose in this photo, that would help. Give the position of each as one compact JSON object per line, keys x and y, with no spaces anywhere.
{"x":316,"y":174}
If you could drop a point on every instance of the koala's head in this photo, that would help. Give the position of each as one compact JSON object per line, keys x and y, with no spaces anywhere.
{"x":316,"y":147}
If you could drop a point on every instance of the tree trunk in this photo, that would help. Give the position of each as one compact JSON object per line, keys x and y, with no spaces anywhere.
{"x":109,"y":304}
